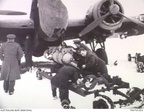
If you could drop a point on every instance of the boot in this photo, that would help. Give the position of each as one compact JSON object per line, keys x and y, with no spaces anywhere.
{"x":66,"y":106}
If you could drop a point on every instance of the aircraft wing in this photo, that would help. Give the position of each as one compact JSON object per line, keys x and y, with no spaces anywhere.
{"x":14,"y":18}
{"x":74,"y":28}
{"x":103,"y":19}
{"x":17,"y":23}
{"x":129,"y":28}
{"x":19,"y":27}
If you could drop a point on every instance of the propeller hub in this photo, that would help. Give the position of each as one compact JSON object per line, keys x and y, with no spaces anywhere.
{"x":114,"y":9}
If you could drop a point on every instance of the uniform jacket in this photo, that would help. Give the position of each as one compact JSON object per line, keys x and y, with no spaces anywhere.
{"x":10,"y":54}
{"x":66,"y":73}
{"x":77,"y":56}
{"x":94,"y":64}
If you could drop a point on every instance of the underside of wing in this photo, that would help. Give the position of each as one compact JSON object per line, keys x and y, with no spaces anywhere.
{"x":17,"y":23}
{"x":21,"y":28}
{"x":9,"y":12}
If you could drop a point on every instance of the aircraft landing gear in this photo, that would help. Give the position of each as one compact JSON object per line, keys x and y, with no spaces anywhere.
{"x":100,"y":52}
{"x":29,"y":51}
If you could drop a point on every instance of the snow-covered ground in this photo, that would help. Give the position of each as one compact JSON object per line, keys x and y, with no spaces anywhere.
{"x":31,"y":93}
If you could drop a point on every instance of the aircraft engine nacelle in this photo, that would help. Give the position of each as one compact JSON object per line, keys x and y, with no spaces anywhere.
{"x":101,"y":8}
{"x":65,"y":56}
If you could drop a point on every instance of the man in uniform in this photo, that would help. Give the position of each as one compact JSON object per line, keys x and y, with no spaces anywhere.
{"x":96,"y":66}
{"x":61,"y":80}
{"x":93,"y":63}
{"x":10,"y":53}
{"x":79,"y":58}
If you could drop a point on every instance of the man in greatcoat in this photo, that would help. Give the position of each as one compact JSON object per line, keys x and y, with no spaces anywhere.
{"x":10,"y":53}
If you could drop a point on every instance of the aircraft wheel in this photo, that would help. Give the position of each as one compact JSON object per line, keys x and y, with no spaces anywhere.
{"x":136,"y":57}
{"x":89,"y":82}
{"x":39,"y":77}
{"x":103,"y":102}
{"x":138,"y":70}
{"x":129,"y":57}
{"x":101,"y":53}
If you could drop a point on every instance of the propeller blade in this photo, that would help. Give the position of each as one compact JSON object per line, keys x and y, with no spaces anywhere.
{"x":7,"y":12}
{"x":133,"y":20}
{"x":93,"y":25}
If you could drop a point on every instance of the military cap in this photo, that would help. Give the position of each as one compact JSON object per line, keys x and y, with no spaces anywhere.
{"x":11,"y":36}
{"x":76,"y":41}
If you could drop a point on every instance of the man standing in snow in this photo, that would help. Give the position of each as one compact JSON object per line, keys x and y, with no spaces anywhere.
{"x":10,"y":53}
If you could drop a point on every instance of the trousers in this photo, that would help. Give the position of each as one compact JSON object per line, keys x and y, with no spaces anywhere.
{"x":54,"y":92}
{"x":64,"y":96}
{"x":9,"y":85}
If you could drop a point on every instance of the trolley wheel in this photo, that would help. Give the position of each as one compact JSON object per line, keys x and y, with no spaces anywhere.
{"x":138,"y":70}
{"x":136,"y":57}
{"x":103,"y":102}
{"x":129,"y":57}
{"x":39,"y":77}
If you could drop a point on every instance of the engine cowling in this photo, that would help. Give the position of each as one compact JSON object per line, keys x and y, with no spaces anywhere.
{"x":53,"y":19}
{"x":101,"y":8}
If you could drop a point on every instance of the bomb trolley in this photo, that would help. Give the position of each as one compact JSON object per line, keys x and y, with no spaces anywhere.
{"x":139,"y":60}
{"x":90,"y":84}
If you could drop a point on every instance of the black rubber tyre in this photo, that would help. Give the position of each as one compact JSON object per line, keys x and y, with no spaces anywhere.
{"x":138,"y":70}
{"x":136,"y":57}
{"x":129,"y":57}
{"x":101,"y":53}
{"x":103,"y":102}
{"x":39,"y":77}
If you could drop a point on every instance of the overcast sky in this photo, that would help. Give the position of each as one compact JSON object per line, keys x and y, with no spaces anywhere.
{"x":76,"y":8}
